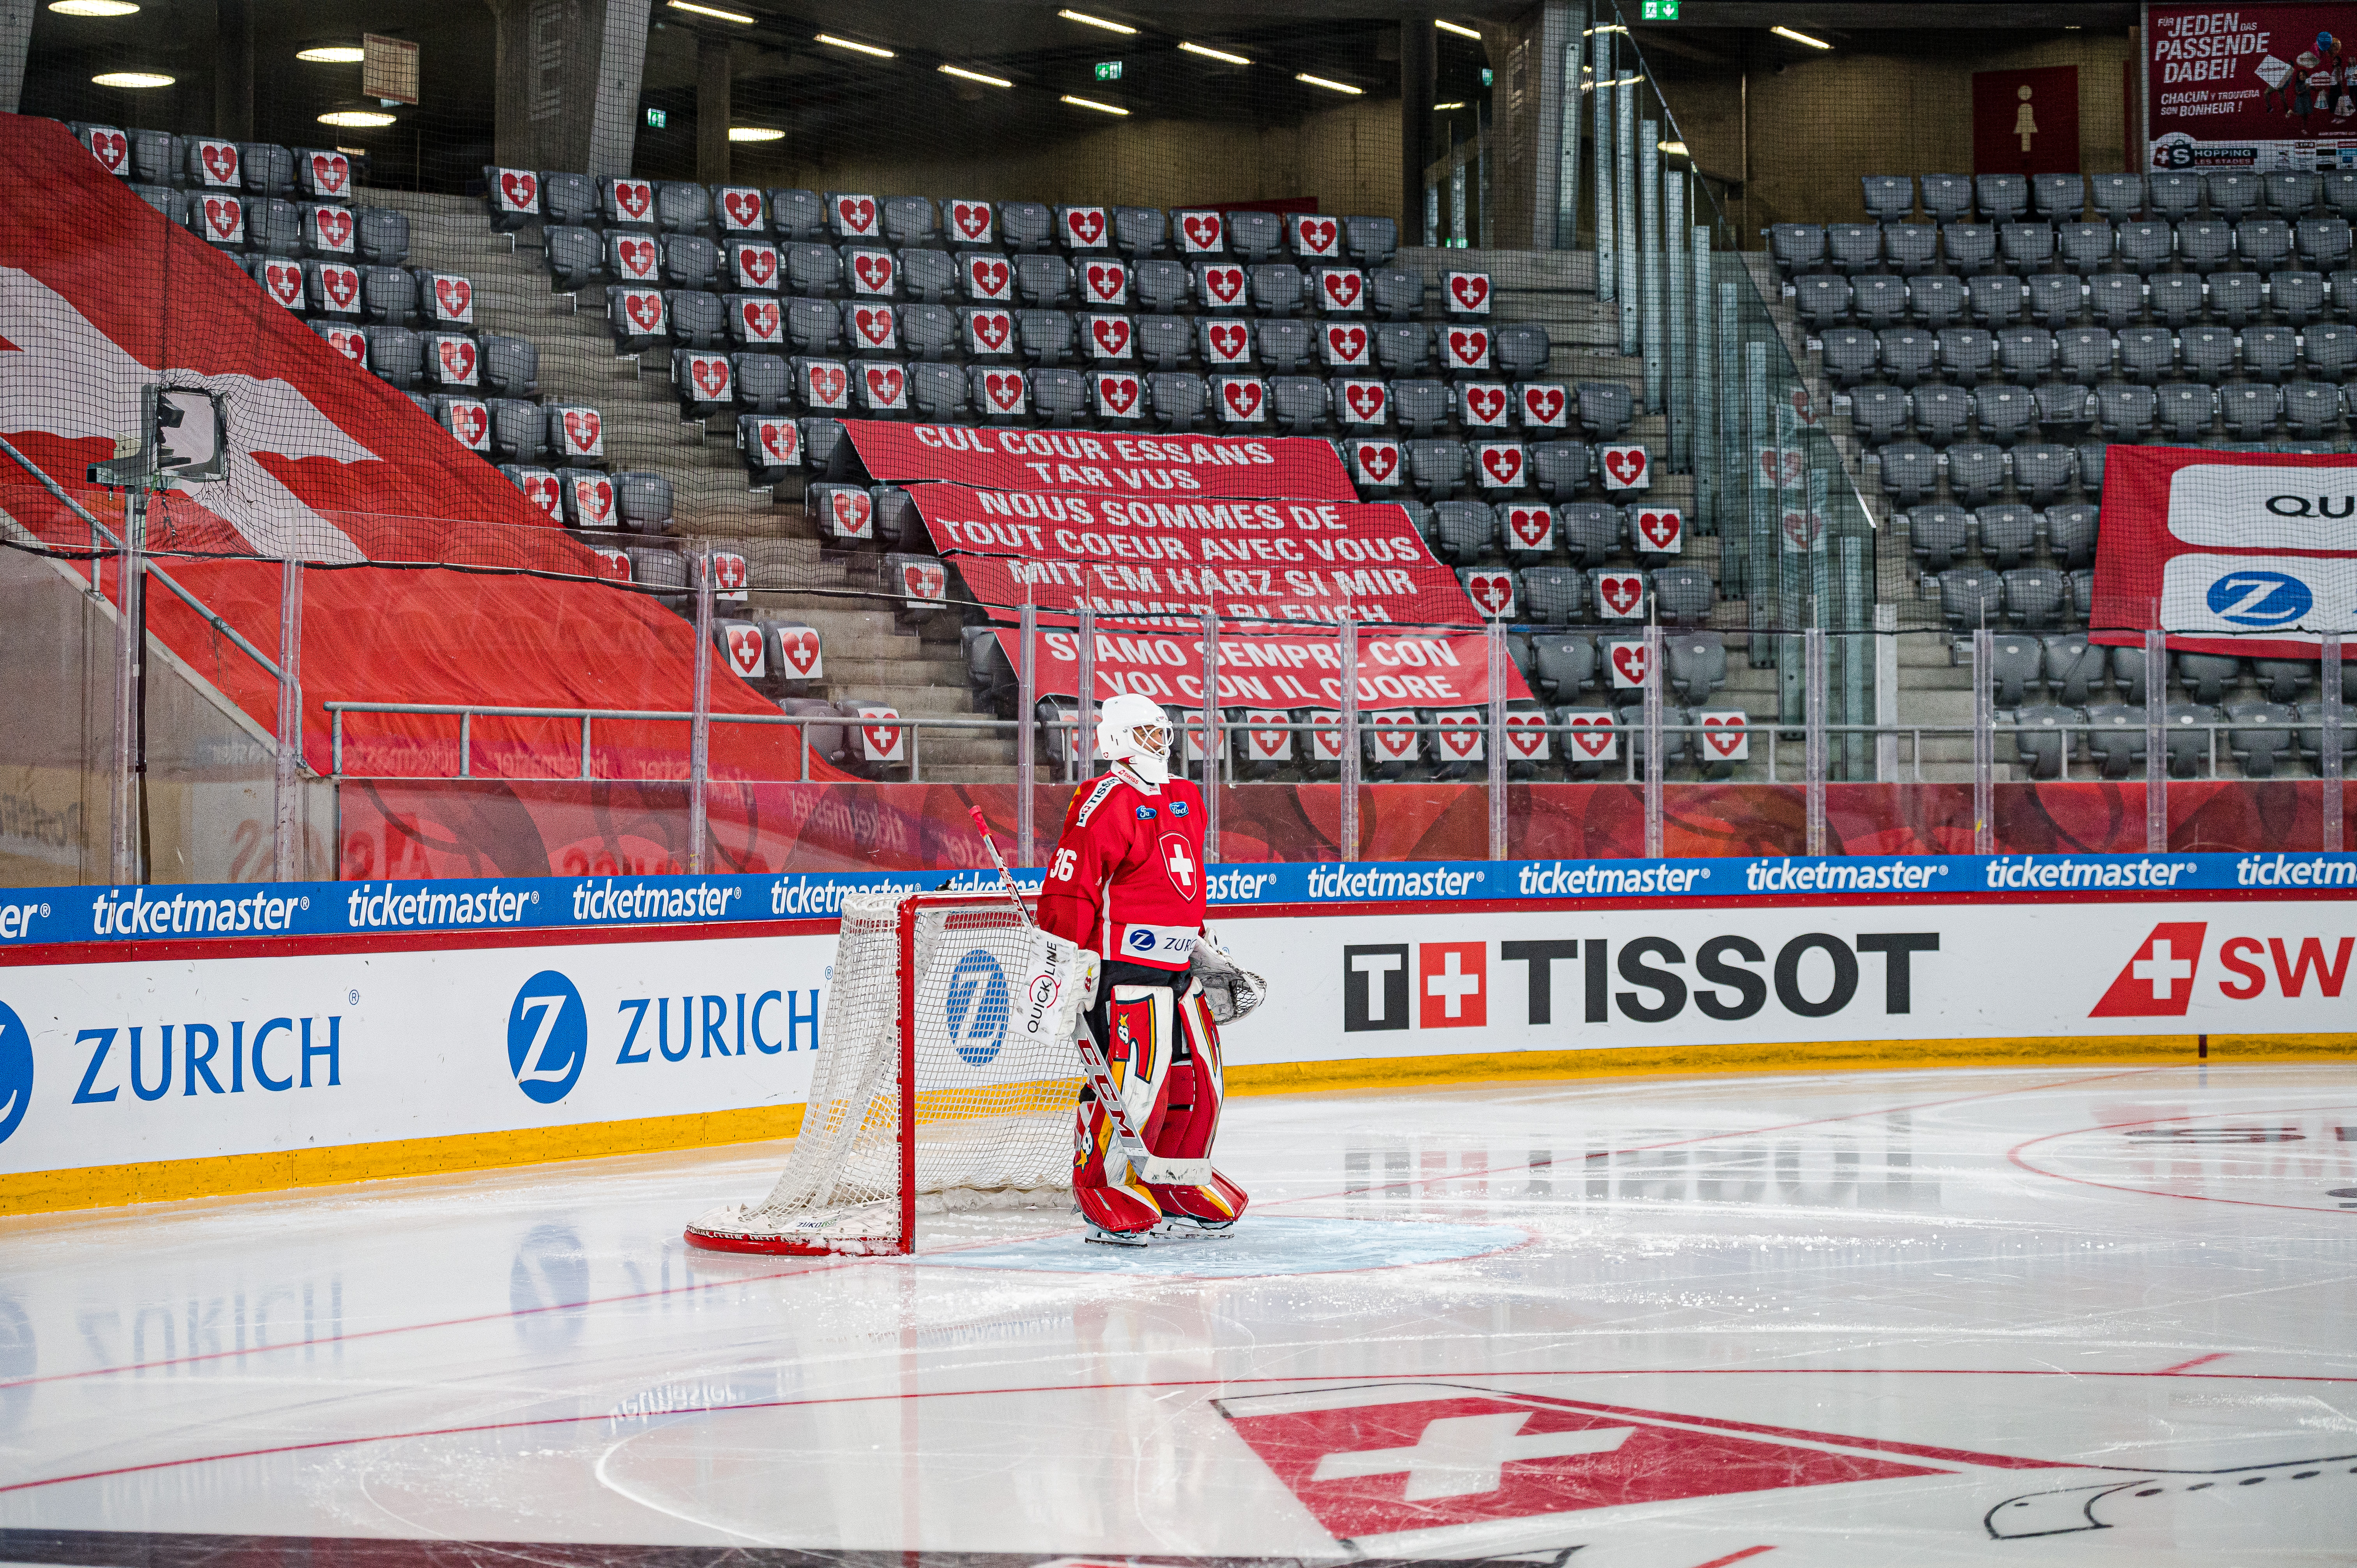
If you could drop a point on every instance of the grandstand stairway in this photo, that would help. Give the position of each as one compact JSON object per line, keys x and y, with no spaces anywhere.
{"x":871,"y":655}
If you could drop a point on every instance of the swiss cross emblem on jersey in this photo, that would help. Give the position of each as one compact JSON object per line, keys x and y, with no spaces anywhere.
{"x":1178,"y":860}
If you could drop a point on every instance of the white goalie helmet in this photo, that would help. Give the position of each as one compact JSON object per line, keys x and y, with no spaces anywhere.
{"x":1133,"y":731}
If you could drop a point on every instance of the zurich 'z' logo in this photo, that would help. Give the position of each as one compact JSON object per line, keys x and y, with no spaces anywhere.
{"x":978,"y":1007}
{"x":1142,"y":940}
{"x":548,"y":1037}
{"x":15,"y":1070}
{"x":2260,"y":598}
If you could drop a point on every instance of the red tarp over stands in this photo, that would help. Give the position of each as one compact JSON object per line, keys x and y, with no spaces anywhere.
{"x":100,"y":293}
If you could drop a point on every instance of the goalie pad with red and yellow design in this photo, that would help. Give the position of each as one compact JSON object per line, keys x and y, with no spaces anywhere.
{"x":1163,"y":1049}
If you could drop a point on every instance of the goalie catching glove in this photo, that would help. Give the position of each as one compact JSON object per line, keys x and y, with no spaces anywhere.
{"x":1230,"y":990}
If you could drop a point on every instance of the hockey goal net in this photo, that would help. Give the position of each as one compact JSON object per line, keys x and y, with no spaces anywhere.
{"x":946,"y":1079}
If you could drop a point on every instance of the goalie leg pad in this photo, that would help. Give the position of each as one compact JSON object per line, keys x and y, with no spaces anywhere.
{"x":1134,"y":1023}
{"x":1190,"y":1121}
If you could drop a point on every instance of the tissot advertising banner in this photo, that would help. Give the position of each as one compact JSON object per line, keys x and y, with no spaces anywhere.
{"x":2247,"y":554}
{"x":2257,"y":86}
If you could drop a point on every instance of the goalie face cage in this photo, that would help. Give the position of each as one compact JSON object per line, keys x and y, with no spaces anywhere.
{"x":933,"y":1090}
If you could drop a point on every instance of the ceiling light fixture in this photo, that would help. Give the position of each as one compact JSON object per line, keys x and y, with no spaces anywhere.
{"x":964,"y":75}
{"x":739,"y":17}
{"x":1675,"y":149}
{"x":1092,"y":103}
{"x":354,"y":152}
{"x":1210,"y":53}
{"x":1463,"y":32}
{"x":333,"y":54}
{"x":356,"y":119}
{"x":132,"y":78}
{"x":863,"y":48}
{"x":93,"y":7}
{"x":1443,"y":108}
{"x":1329,"y":86}
{"x":755,"y":134}
{"x":1784,"y":32}
{"x":1085,"y":20}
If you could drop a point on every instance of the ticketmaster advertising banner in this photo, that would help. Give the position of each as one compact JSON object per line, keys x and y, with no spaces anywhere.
{"x":146,"y":1025}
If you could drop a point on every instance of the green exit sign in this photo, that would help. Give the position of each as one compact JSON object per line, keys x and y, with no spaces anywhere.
{"x":657,"y":119}
{"x":1661,"y":10}
{"x":1108,"y":70}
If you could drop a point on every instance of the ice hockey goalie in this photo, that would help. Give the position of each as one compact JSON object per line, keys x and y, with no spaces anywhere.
{"x":1127,"y":880}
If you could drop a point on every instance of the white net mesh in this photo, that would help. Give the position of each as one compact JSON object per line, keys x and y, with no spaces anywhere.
{"x":993,"y":1106}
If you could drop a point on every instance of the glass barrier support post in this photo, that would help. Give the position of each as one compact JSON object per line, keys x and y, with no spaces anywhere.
{"x":1984,"y":745}
{"x":1679,"y":375}
{"x":1648,"y":241}
{"x":1702,"y":417}
{"x":1886,"y":693}
{"x":2328,"y":746}
{"x":1567,"y":188}
{"x":1497,"y":740}
{"x":699,"y":728}
{"x":130,"y":616}
{"x":1812,"y":751}
{"x":1214,"y":749}
{"x":1600,"y":90}
{"x":1084,"y":737}
{"x":287,"y":816}
{"x":1653,"y":746}
{"x":2155,"y":742}
{"x":1027,"y":727}
{"x":1348,"y":830}
{"x":1624,"y":202}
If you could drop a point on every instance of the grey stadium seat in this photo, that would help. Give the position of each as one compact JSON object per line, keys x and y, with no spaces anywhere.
{"x":1560,"y":468}
{"x":1590,"y":532}
{"x":1910,"y":249}
{"x":2058,"y":198}
{"x":1975,"y":472}
{"x":2114,"y":299}
{"x":2052,"y":299}
{"x":2172,"y":196}
{"x":2040,"y":742}
{"x":1684,"y":596}
{"x":2264,"y":735}
{"x":2070,"y":536}
{"x":2001,"y":197}
{"x":2233,"y":194}
{"x":1796,"y":248}
{"x":929,"y":275}
{"x":2205,"y":244}
{"x":2003,"y":413}
{"x":2117,"y":195}
{"x":1563,"y":666}
{"x":2206,"y":353}
{"x":2024,"y":354}
{"x":2323,"y":243}
{"x":1940,"y":412}
{"x":1822,"y":299}
{"x":1997,"y":299}
{"x":2025,"y":247}
{"x":2083,"y":354}
{"x":2065,"y":409}
{"x":2311,"y":410}
{"x":1936,"y":302}
{"x":2262,"y":245}
{"x":1850,"y":355}
{"x":1437,"y":468}
{"x":1463,"y":530}
{"x":2014,"y":664}
{"x":1947,"y":197}
{"x":1971,"y":597}
{"x":2143,"y":247}
{"x":1879,"y":299}
{"x":2185,"y":411}
{"x":1605,"y":409}
{"x":2147,"y":354}
{"x":2043,"y":470}
{"x":2125,"y":412}
{"x":2236,"y":297}
{"x":1854,"y":247}
{"x":2292,"y":193}
{"x":1907,"y":354}
{"x":2008,"y":532}
{"x":576,"y":257}
{"x":2270,"y":353}
{"x":1967,"y":355}
{"x":1889,"y":197}
{"x":1938,"y":536}
{"x":1878,"y":414}
{"x":2296,"y":298}
{"x":1908,"y":472}
{"x":1970,"y":248}
{"x":2248,"y":409}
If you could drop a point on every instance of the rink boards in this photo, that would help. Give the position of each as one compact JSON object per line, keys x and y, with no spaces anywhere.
{"x":233,"y":1039}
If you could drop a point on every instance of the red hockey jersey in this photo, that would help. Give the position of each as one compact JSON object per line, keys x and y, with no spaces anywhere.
{"x":1127,"y":877}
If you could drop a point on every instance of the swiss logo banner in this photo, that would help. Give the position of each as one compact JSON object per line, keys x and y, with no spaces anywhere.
{"x":2247,"y":554}
{"x":1297,"y":467}
{"x":1144,"y":559}
{"x":1423,"y":671}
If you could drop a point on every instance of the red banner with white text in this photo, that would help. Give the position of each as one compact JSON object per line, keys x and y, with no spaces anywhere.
{"x":1143,"y":560}
{"x":1298,"y":467}
{"x":2266,"y":86}
{"x":1395,"y":670}
{"x":2251,"y":555}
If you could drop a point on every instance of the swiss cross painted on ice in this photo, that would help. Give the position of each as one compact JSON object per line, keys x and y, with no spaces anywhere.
{"x":1450,"y":986}
{"x":1178,"y":860}
{"x":2158,"y":980}
{"x":1380,"y":1459}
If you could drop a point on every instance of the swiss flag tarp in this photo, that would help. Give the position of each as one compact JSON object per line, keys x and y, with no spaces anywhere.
{"x":2247,"y":554}
{"x":1296,"y":467}
{"x":1434,"y":670}
{"x":1141,"y":560}
{"x":99,"y":294}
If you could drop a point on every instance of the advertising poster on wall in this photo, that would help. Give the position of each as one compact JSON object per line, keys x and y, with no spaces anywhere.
{"x":2258,"y":87}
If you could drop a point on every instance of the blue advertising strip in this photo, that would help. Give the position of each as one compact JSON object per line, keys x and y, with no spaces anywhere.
{"x":43,"y":915}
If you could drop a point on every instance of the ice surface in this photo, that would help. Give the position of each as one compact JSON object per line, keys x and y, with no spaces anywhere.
{"x":2077,"y":1315}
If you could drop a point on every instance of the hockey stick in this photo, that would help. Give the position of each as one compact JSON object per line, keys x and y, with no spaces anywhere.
{"x":1143,"y":1165}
